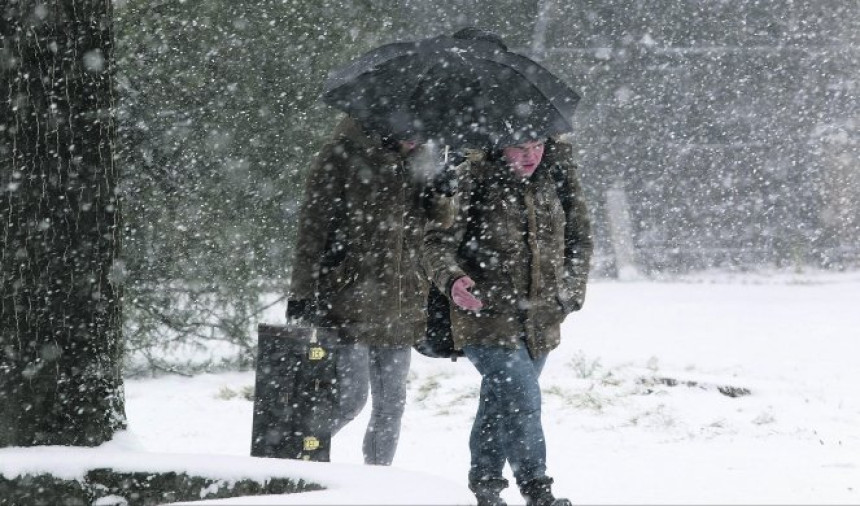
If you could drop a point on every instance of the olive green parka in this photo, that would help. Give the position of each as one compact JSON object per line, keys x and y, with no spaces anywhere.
{"x":527,"y":250}
{"x":359,"y":238}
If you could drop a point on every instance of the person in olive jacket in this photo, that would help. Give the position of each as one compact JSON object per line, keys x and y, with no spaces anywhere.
{"x":514,"y":261}
{"x":356,"y":267}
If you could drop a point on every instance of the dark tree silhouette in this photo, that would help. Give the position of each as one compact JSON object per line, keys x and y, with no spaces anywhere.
{"x":60,"y":307}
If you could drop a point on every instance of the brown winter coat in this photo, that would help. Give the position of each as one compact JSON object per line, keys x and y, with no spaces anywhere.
{"x":359,"y":236}
{"x":528,"y":257}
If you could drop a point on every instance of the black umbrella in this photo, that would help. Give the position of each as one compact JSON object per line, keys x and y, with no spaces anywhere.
{"x":462,"y":92}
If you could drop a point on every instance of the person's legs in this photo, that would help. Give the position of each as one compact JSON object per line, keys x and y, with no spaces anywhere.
{"x":508,"y":423}
{"x":487,"y":439}
{"x":353,"y":382}
{"x":487,"y":446}
{"x":389,"y":367}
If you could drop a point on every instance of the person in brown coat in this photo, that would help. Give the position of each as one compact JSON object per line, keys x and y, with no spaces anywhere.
{"x":356,"y":267}
{"x":514,"y":261}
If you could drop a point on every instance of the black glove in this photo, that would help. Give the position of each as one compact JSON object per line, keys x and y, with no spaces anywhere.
{"x":302,"y":310}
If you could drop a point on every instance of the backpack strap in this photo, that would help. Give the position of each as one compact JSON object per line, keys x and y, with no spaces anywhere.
{"x":562,"y":185}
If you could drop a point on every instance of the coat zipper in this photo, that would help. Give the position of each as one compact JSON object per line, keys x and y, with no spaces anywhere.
{"x":534,"y":264}
{"x":400,"y":244}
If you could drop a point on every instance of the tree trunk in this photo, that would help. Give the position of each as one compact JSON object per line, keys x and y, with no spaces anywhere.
{"x":60,"y":313}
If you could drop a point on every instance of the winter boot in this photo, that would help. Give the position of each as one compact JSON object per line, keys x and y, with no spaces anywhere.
{"x":487,"y":491}
{"x":537,"y":492}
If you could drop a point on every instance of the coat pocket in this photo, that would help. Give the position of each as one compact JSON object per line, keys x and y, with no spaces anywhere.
{"x":556,"y":309}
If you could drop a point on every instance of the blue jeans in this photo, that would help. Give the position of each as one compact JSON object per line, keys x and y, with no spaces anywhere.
{"x":384,"y":370}
{"x":508,"y":424}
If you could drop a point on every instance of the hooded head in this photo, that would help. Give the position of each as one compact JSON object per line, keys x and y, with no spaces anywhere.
{"x":524,"y":158}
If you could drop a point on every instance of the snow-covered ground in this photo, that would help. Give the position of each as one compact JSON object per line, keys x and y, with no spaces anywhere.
{"x":618,"y":431}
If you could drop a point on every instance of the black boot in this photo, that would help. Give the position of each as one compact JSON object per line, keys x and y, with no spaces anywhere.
{"x":538,"y":492}
{"x":487,"y":491}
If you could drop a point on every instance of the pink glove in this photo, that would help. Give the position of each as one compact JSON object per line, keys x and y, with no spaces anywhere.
{"x":462,"y":297}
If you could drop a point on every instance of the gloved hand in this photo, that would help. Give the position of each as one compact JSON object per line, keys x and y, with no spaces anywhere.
{"x":461,"y":296}
{"x":301,"y":311}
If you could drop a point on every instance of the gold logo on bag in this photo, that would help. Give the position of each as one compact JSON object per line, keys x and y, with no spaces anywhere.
{"x":316,"y":353}
{"x":311,"y":444}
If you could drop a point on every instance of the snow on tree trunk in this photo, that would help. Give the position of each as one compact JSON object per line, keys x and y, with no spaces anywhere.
{"x":60,"y":314}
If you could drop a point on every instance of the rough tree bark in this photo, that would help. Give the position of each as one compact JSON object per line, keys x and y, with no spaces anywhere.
{"x":60,"y":327}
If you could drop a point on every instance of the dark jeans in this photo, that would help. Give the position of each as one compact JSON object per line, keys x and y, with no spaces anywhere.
{"x":384,"y":370}
{"x":508,"y":424}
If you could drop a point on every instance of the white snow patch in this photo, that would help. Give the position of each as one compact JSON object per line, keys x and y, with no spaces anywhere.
{"x":618,"y":431}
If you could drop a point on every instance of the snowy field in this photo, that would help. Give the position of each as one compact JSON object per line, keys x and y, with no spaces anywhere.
{"x":636,"y":409}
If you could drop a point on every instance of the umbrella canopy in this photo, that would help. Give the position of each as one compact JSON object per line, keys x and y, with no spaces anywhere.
{"x":462,"y":92}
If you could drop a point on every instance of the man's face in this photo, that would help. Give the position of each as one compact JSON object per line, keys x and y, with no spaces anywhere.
{"x":524,"y":158}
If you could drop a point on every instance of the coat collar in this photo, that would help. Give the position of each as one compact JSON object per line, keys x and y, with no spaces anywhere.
{"x":498,"y":172}
{"x":350,"y":130}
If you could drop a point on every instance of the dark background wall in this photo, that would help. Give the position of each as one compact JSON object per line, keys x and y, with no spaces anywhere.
{"x":731,"y":125}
